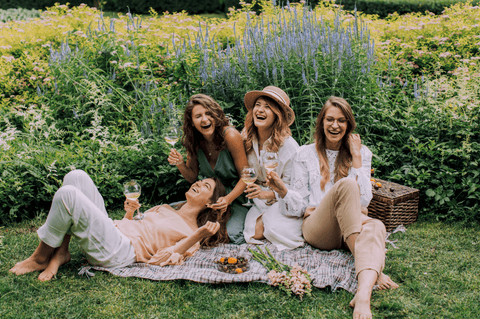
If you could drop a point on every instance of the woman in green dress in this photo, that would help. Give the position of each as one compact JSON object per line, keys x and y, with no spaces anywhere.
{"x":214,"y":149}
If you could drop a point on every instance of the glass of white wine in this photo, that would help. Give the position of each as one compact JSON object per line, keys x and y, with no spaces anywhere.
{"x":270,"y":161}
{"x":172,"y":135}
{"x":132,"y":190}
{"x":248,"y":177}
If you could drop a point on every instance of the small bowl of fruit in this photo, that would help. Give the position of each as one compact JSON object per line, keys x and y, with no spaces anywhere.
{"x":232,"y":265}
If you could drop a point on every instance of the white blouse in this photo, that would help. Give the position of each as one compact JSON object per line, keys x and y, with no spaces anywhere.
{"x":285,"y":232}
{"x":305,"y":191}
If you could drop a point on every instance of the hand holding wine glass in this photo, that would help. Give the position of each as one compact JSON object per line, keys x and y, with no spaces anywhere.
{"x":248,"y":177}
{"x":132,"y":191}
{"x":172,"y":135}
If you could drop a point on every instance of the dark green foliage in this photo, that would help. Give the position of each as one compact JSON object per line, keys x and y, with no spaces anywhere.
{"x":18,"y":14}
{"x":41,"y":4}
{"x":143,"y":6}
{"x":384,"y":7}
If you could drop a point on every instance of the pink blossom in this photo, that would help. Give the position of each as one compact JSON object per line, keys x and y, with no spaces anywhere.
{"x":444,"y":55}
{"x":8,"y":58}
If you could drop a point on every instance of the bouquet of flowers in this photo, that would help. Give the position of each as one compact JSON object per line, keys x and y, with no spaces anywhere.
{"x":290,"y":279}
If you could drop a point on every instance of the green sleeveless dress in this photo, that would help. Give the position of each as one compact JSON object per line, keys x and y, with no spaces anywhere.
{"x":226,"y":172}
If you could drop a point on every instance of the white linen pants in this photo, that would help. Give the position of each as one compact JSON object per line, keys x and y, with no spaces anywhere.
{"x":78,"y":209}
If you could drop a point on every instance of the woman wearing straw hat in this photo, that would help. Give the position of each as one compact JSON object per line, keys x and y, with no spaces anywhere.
{"x":214,"y":149}
{"x":330,"y":184}
{"x":267,"y":129}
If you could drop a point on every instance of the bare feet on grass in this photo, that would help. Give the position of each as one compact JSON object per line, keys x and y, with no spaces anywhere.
{"x":384,"y":282}
{"x":30,"y":264}
{"x":361,"y":307}
{"x":59,"y":258}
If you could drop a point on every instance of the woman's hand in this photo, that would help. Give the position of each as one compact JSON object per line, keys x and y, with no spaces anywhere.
{"x":207,"y":230}
{"x":255,"y":191}
{"x":175,"y":158}
{"x":276,"y":183}
{"x":308,"y":212}
{"x":355,"y":144}
{"x":131,"y":205}
{"x":221,"y":205}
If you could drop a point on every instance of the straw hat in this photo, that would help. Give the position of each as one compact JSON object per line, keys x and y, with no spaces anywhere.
{"x":276,"y":94}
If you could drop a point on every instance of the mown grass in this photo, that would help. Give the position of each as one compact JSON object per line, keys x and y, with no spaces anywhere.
{"x":436,"y":265}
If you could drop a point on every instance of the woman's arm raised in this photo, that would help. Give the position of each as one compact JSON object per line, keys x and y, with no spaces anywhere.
{"x":189,"y":170}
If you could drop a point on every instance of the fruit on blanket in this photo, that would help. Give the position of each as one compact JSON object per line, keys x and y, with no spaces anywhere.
{"x":378,"y":184}
{"x":232,"y":265}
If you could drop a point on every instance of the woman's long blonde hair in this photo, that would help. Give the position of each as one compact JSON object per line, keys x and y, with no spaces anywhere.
{"x":343,"y":163}
{"x":280,"y":127}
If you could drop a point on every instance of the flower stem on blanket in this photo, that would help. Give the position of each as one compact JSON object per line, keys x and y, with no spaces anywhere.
{"x":290,"y":279}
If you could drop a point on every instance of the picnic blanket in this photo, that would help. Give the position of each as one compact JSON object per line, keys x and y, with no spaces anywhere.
{"x":333,"y":268}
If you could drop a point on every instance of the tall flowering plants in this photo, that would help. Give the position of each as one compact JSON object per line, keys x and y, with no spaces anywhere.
{"x":293,"y":280}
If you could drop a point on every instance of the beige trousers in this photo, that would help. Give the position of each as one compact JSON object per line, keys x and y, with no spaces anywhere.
{"x":337,"y":217}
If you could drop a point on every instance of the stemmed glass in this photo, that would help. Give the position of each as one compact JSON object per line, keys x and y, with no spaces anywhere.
{"x":270,"y":161}
{"x":172,"y":135}
{"x":132,"y":190}
{"x":248,"y":177}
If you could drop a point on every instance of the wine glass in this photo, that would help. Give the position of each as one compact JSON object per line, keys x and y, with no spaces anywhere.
{"x":270,"y":161}
{"x":248,"y":177}
{"x":132,"y":190}
{"x":172,"y":135}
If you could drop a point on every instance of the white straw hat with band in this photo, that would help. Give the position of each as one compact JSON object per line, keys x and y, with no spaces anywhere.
{"x":277,"y":94}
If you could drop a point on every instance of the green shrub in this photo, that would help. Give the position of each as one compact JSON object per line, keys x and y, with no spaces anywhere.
{"x":383,"y":8}
{"x":97,"y":96}
{"x":18,"y":14}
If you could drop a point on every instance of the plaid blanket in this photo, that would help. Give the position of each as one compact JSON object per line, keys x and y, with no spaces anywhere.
{"x":327,"y":268}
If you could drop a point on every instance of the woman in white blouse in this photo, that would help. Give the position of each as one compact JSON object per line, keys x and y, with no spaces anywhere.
{"x":267,"y":129}
{"x":330,"y":187}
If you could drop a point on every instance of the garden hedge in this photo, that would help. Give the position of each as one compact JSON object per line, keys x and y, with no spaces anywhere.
{"x":384,"y":7}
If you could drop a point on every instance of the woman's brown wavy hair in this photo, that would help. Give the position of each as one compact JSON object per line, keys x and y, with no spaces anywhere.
{"x":212,"y":215}
{"x":344,"y":158}
{"x":280,"y":127}
{"x":191,"y":136}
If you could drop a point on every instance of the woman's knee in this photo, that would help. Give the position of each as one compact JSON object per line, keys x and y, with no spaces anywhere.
{"x":65,"y":192}
{"x":347,"y":183}
{"x":378,"y":225}
{"x":74,"y":176}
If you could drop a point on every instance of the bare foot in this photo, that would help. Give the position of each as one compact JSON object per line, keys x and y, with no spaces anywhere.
{"x":30,"y":264}
{"x":59,"y":258}
{"x":361,"y":307}
{"x":384,"y":282}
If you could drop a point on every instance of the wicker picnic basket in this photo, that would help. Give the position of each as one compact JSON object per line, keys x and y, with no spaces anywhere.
{"x":394,"y":204}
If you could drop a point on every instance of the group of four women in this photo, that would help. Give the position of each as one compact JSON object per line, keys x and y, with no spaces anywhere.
{"x":317,"y":194}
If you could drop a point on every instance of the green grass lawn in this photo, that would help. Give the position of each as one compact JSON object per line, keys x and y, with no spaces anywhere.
{"x":436,"y":265}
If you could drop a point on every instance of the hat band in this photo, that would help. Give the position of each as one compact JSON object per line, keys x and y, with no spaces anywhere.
{"x":276,"y":94}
